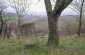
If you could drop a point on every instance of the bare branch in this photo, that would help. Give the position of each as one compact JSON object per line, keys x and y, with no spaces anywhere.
{"x":48,"y":6}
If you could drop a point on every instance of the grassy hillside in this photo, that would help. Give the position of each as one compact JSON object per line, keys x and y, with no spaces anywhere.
{"x":68,"y":46}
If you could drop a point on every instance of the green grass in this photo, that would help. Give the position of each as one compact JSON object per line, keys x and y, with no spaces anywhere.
{"x":68,"y":46}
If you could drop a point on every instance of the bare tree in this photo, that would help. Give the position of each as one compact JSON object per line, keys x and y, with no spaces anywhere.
{"x":53,"y":16}
{"x":2,"y":8}
{"x":7,"y":28}
{"x":79,"y":8}
{"x":3,"y":18}
{"x":21,"y":7}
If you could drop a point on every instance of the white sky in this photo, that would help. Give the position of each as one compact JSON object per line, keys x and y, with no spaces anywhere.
{"x":40,"y":8}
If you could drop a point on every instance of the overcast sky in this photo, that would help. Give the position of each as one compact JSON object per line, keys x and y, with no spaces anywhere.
{"x":40,"y":8}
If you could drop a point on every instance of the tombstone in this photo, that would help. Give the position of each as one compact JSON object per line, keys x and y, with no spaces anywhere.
{"x":28,"y":31}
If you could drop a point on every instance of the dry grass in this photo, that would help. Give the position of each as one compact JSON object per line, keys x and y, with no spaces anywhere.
{"x":68,"y":46}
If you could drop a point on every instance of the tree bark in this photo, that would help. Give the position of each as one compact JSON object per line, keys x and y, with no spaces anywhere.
{"x":53,"y":16}
{"x":1,"y":28}
{"x":53,"y":30}
{"x":80,"y":19}
{"x":79,"y":30}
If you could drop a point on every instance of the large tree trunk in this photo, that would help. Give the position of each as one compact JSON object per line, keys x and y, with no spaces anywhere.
{"x":53,"y":30}
{"x":53,"y":16}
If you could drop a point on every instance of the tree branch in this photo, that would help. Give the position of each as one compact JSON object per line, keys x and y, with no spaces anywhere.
{"x":48,"y":6}
{"x":60,"y":6}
